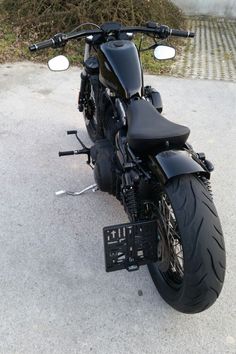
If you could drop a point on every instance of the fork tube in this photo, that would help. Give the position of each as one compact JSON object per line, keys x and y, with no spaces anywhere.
{"x":86,"y":51}
{"x":81,"y":100}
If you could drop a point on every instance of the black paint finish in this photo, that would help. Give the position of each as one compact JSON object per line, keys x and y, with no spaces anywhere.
{"x":168,"y":164}
{"x":120,"y":68}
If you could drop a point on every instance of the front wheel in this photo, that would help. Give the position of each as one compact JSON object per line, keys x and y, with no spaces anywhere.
{"x":190,"y":270}
{"x":90,"y":110}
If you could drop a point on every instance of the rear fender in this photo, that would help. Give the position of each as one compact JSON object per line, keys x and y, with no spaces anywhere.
{"x":172,"y":163}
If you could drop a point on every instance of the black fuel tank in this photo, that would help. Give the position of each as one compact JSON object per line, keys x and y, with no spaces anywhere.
{"x":120,"y":68}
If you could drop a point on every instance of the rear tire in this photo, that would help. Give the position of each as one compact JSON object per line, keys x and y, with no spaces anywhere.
{"x":197,"y":286}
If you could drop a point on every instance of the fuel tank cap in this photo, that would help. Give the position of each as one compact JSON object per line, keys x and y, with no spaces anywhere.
{"x":118,"y":43}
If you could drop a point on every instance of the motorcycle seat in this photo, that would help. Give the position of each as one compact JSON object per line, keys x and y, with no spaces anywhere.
{"x":150,"y":132}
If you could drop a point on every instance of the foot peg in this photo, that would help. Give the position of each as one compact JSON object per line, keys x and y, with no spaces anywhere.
{"x":74,"y":194}
{"x":84,"y":151}
{"x":74,"y":152}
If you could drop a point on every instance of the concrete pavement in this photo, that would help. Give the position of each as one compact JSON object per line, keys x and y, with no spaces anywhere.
{"x":55,"y":296}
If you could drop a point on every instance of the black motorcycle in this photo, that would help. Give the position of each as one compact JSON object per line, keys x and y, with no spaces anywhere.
{"x":144,"y":160}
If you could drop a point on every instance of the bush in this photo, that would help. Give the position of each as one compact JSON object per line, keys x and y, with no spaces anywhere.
{"x":23,"y":22}
{"x":44,"y":17}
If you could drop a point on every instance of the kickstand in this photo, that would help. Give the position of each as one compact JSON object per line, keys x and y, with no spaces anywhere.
{"x":93,"y":187}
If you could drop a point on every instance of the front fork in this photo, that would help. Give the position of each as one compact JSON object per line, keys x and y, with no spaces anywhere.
{"x":84,"y":77}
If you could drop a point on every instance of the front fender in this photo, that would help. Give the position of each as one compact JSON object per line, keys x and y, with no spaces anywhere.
{"x":171,"y":163}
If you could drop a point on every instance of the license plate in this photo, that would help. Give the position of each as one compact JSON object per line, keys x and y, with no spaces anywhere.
{"x":128,"y":246}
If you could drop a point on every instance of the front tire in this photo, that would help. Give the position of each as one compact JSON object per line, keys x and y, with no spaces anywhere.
{"x":90,"y":110}
{"x":190,"y":271}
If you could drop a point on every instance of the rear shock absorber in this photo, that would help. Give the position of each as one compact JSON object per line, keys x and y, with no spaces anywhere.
{"x":131,"y":203}
{"x":129,"y":179}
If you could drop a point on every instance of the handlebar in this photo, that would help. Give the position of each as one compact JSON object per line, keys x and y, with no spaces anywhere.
{"x":184,"y":34}
{"x":65,"y":153}
{"x":160,"y":31}
{"x":59,"y":40}
{"x":42,"y":45}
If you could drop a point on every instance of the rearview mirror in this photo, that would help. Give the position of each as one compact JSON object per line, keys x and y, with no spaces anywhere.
{"x":163,"y":52}
{"x":59,"y":63}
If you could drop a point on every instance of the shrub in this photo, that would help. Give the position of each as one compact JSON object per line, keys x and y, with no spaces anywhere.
{"x":44,"y":17}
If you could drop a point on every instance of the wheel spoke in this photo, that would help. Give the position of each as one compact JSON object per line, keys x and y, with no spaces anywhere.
{"x":171,"y":235}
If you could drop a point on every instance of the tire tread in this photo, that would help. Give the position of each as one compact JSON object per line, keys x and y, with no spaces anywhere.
{"x":203,"y":247}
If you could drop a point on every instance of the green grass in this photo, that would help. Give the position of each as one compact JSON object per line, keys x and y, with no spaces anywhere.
{"x":152,"y":66}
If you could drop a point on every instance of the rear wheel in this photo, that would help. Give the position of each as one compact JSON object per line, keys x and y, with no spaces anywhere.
{"x":190,"y":270}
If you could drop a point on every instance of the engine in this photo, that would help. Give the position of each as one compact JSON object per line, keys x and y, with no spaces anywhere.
{"x":103,"y":158}
{"x":103,"y":153}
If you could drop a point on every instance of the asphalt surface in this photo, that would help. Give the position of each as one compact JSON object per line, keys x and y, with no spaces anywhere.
{"x":55,"y":296}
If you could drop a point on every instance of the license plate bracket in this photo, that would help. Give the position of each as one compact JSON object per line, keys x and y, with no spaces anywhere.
{"x":128,"y":246}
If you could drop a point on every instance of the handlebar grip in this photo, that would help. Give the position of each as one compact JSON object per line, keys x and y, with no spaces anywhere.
{"x":179,"y":33}
{"x":66,"y":153}
{"x":42,"y":45}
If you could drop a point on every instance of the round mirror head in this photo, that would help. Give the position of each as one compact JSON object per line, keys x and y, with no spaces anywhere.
{"x":163,"y":52}
{"x":59,"y":63}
